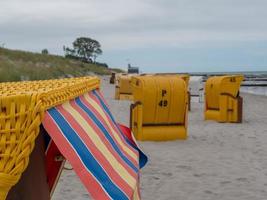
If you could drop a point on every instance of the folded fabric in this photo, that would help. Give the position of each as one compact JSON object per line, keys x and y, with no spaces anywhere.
{"x":103,"y":153}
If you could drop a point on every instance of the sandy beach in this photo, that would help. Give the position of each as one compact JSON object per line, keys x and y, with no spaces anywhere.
{"x":218,"y":160}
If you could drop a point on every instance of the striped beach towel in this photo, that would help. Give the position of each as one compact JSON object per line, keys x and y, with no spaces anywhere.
{"x":103,"y":153}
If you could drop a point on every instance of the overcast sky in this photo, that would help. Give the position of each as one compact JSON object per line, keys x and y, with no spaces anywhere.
{"x":157,"y":35}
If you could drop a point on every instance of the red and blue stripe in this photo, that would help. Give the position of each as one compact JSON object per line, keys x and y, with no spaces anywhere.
{"x":104,"y":158}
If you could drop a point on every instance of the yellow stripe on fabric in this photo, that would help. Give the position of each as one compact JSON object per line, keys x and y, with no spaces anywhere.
{"x":136,"y":194}
{"x":114,"y":132}
{"x":101,"y":146}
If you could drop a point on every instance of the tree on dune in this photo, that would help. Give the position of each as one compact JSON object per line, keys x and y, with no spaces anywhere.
{"x":85,"y":49}
{"x":45,"y":51}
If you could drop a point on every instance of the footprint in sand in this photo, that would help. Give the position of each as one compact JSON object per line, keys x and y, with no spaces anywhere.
{"x":252,"y":137}
{"x":242,"y":179}
{"x":185,"y":167}
{"x":169,"y":174}
{"x":85,"y":195}
{"x":66,"y":190}
{"x":208,"y":192}
{"x":225,"y":182}
{"x":199,"y":175}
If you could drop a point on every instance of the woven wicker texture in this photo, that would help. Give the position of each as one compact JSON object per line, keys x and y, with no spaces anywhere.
{"x":22,"y":105}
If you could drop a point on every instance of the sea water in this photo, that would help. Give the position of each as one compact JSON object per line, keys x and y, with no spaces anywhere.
{"x":258,"y":90}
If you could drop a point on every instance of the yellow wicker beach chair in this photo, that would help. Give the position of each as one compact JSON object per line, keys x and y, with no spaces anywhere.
{"x":123,"y":88}
{"x":222,"y":100}
{"x":22,"y":106}
{"x":160,"y":108}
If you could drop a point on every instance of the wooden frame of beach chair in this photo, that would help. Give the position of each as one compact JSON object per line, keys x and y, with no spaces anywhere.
{"x":40,"y":178}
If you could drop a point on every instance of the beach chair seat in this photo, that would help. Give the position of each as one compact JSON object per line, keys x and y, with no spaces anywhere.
{"x":159,"y":111}
{"x":222,"y":100}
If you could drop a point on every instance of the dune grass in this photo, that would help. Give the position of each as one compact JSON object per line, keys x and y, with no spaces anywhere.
{"x":18,"y":65}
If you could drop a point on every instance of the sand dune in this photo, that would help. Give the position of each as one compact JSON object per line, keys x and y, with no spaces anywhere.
{"x":218,"y":161}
